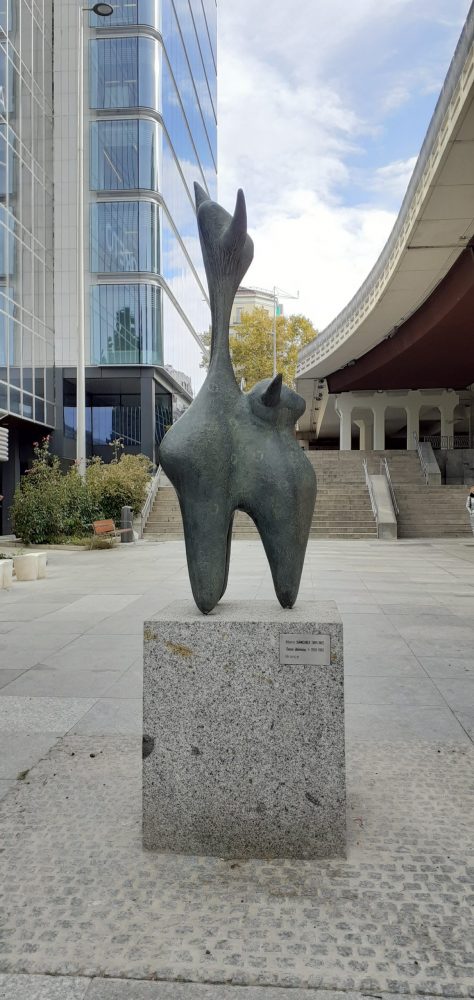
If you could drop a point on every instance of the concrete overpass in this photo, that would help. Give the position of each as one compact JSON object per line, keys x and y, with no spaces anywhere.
{"x":410,"y":327}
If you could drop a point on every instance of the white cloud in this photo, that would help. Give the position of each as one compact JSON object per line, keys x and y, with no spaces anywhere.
{"x":322,"y":251}
{"x":301,"y":91}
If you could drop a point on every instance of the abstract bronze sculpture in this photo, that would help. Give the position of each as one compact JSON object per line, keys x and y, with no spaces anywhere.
{"x":233,"y":450}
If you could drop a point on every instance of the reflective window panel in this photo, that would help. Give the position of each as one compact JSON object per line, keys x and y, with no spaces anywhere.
{"x":124,"y":155}
{"x":124,"y":73}
{"x":125,"y":236}
{"x":126,"y":325}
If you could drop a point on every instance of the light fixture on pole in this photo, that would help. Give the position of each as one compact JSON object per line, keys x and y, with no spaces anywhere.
{"x":102,"y":10}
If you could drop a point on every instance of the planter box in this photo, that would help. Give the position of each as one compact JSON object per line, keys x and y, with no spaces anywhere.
{"x":42,"y":560}
{"x":6,"y":573}
{"x":26,"y":567}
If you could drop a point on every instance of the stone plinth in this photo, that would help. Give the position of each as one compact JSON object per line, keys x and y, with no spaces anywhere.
{"x":244,"y":731}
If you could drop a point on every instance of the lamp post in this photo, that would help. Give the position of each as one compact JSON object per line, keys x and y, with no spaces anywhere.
{"x":103,"y":10}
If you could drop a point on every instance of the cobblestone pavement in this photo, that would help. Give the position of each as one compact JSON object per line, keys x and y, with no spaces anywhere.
{"x":86,"y":913}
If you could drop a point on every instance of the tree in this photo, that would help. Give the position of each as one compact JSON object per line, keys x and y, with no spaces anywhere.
{"x":251,"y":345}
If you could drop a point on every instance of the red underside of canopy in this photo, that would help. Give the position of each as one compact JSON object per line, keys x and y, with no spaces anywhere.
{"x":433,"y":349}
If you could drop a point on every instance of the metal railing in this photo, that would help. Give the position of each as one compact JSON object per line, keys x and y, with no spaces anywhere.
{"x":447,"y":442}
{"x":146,"y":509}
{"x":424,"y":467}
{"x":385,"y":471}
{"x":368,"y":483}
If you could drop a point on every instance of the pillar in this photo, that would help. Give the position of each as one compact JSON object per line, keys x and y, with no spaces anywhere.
{"x":412,"y":408}
{"x":344,"y":412}
{"x":365,"y":434}
{"x":10,"y":479}
{"x":378,"y":410}
{"x":447,"y":407}
{"x":147,"y":415}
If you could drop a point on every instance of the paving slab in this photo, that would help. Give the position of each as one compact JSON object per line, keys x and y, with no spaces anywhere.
{"x":42,"y":988}
{"x":112,"y":715}
{"x":396,"y":916}
{"x":5,"y":785}
{"x":7,"y":676}
{"x":41,"y":715}
{"x":19,"y":751}
{"x":126,"y":989}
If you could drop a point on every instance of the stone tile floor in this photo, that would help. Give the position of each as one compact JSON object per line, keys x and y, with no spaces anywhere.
{"x":87,"y":914}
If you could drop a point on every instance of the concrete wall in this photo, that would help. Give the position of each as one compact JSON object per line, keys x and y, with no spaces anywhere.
{"x":457,"y":466}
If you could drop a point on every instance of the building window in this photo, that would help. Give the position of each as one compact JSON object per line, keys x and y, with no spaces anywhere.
{"x":124,"y":73}
{"x":125,"y":236}
{"x":124,"y":155}
{"x":108,"y":418}
{"x":130,"y":12}
{"x":126,"y":325}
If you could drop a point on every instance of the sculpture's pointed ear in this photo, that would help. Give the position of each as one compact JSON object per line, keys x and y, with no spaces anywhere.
{"x":237,"y":228}
{"x":200,"y":195}
{"x":271,"y":396}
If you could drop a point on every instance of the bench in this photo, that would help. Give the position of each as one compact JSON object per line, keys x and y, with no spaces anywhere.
{"x":107,"y":529}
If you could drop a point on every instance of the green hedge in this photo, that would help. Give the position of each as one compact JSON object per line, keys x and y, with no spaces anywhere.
{"x":49,"y":503}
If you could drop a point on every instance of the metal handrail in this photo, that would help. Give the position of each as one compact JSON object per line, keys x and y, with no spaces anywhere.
{"x":385,"y":471}
{"x":146,"y":509}
{"x":424,"y":467}
{"x":368,"y":483}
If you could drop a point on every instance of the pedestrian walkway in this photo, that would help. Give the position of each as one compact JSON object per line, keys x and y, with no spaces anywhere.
{"x":88,"y":914}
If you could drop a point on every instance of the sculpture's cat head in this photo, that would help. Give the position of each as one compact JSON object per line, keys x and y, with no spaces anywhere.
{"x":274,"y":402}
{"x":226,"y":246}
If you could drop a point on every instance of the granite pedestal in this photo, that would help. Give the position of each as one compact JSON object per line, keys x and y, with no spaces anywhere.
{"x":244,"y":731}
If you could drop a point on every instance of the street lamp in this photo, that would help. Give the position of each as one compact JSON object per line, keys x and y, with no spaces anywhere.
{"x":102,"y":10}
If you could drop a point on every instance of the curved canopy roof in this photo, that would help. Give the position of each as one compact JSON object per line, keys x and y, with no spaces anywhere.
{"x":410,"y":318}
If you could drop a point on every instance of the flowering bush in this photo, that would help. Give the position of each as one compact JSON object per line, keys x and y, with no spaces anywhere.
{"x":49,"y":503}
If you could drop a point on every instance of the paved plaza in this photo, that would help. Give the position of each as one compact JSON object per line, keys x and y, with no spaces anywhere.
{"x":87,"y":913}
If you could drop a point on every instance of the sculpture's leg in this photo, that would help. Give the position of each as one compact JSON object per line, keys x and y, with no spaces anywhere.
{"x":229,"y":543}
{"x":207,"y":532}
{"x":284,"y":539}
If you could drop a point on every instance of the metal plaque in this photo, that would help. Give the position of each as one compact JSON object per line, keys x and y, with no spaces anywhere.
{"x":305,"y":648}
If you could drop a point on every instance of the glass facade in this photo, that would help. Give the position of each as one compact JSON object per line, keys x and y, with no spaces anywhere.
{"x":154,"y":133}
{"x":126,"y":325}
{"x":125,"y":236}
{"x":26,"y":210}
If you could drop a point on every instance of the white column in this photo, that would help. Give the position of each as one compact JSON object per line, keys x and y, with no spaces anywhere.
{"x":447,"y":407}
{"x":365,"y":434}
{"x":378,"y":409}
{"x":344,"y":412}
{"x":412,"y":407}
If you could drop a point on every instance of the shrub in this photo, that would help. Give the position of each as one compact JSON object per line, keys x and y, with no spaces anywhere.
{"x":49,"y":504}
{"x":37,"y":503}
{"x":122,"y":483}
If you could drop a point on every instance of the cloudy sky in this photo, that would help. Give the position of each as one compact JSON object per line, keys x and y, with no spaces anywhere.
{"x":323,"y":107}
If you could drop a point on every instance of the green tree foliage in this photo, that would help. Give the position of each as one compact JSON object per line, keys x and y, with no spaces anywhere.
{"x":251,"y":345}
{"x":49,"y":504}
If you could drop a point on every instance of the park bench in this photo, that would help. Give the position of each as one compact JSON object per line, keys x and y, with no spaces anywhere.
{"x":106,"y":529}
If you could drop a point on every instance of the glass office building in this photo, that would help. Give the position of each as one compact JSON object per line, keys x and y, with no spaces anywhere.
{"x":151,"y":132}
{"x":26,"y":233}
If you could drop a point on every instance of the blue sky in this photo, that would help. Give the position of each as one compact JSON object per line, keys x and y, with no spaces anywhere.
{"x":322,"y":111}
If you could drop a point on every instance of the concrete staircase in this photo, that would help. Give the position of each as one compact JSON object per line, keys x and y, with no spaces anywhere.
{"x":343,"y":508}
{"x":425,"y":511}
{"x":165,"y":524}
